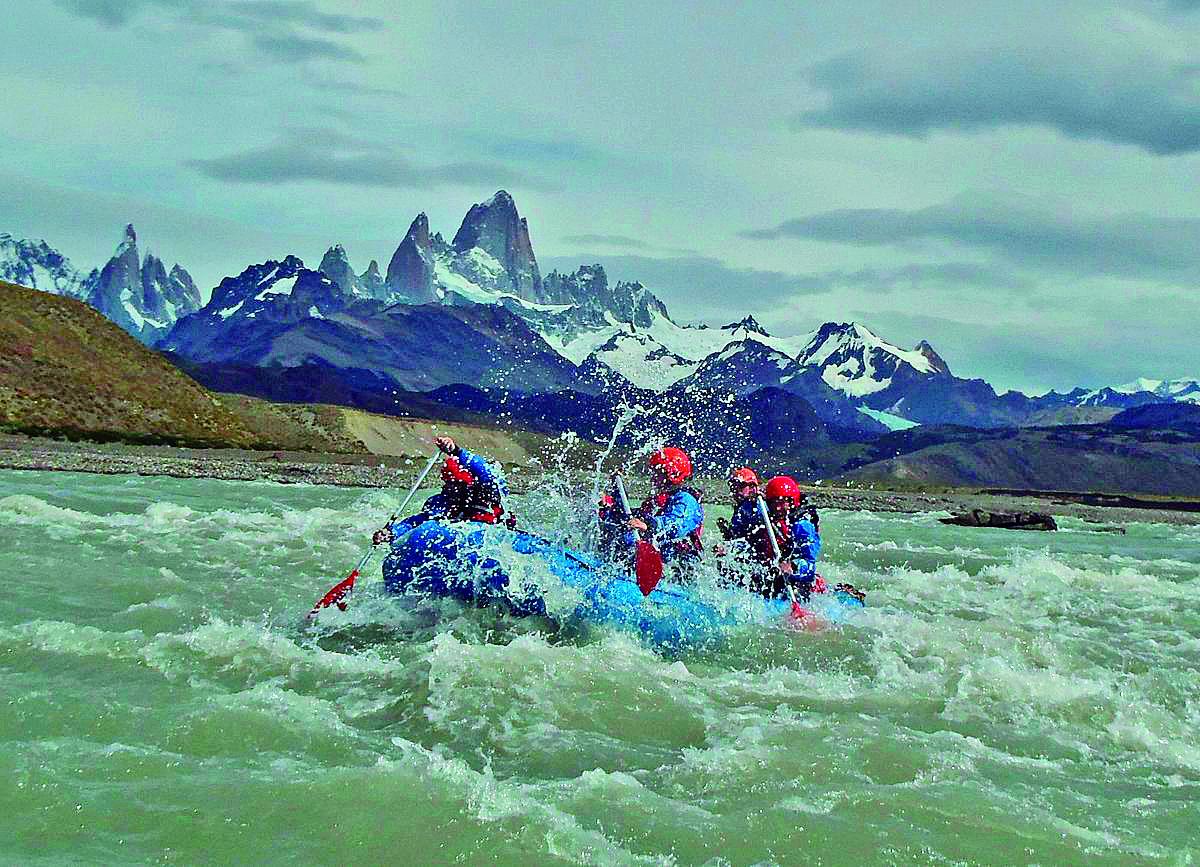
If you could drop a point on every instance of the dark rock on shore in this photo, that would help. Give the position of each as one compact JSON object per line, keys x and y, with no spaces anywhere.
{"x":1003,"y":520}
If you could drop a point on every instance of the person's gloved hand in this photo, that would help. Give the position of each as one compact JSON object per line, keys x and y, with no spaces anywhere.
{"x":383,"y":536}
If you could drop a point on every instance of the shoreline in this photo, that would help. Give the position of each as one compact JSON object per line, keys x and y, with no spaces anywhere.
{"x":383,"y":471}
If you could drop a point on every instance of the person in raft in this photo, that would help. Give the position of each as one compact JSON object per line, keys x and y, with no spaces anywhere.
{"x":610,"y":528}
{"x":472,"y":490}
{"x":743,"y":486}
{"x":795,"y":531}
{"x":672,"y":518}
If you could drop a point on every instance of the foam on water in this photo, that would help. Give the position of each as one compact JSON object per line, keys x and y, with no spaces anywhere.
{"x":1006,"y":698}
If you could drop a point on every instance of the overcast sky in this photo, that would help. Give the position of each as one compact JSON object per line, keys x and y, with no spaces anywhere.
{"x":1015,"y":182}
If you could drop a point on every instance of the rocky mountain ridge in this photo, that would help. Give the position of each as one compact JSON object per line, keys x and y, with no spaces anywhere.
{"x":140,"y":295}
{"x":477,"y":310}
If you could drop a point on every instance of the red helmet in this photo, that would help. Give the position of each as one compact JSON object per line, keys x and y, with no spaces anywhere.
{"x":743,"y":476}
{"x":453,"y":471}
{"x":784,"y":488}
{"x":674,"y":463}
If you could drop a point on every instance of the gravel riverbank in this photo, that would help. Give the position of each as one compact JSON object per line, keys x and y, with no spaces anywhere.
{"x":376,"y":471}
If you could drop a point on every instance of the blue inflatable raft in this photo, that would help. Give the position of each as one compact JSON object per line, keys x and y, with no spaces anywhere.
{"x":475,"y":564}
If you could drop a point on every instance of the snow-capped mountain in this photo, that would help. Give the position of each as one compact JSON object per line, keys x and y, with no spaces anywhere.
{"x":477,"y":311}
{"x":141,"y":296}
{"x":280,"y":314}
{"x":615,"y":335}
{"x":855,"y":361}
{"x":490,"y":258}
{"x":37,"y":265}
{"x":1142,"y":391}
{"x":369,"y":284}
{"x":269,"y":295}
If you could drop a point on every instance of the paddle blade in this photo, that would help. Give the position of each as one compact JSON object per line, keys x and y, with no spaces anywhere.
{"x":648,"y":565}
{"x":802,"y":619}
{"x":336,"y":595}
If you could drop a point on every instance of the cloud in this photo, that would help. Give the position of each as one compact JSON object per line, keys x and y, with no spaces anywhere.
{"x":299,"y":49}
{"x":627,"y":243}
{"x":609,"y":241}
{"x":299,"y":12}
{"x":1121,"y":93}
{"x":275,"y":27}
{"x":942,"y":276}
{"x":529,"y":148}
{"x":1026,"y":232}
{"x":332,"y":157}
{"x":341,"y":86}
{"x":112,"y":13}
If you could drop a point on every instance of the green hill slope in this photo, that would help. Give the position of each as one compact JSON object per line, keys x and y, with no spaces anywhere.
{"x":67,"y":371}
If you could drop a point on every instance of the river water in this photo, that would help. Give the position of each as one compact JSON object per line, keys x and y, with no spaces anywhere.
{"x":1007,"y":698}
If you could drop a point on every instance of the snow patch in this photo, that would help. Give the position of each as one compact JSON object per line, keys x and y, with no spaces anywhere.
{"x":888,"y":420}
{"x":135,"y":315}
{"x":229,"y":311}
{"x":279,"y":287}
{"x":643,"y":361}
{"x":457,"y":283}
{"x":486,"y":262}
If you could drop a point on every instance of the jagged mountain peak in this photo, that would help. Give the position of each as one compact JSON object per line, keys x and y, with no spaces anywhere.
{"x":335,"y":264}
{"x":938,"y":364}
{"x":37,"y":265}
{"x":854,"y":360}
{"x":142,"y":296}
{"x":497,"y":230}
{"x":410,"y":271}
{"x":749,"y":324}
{"x":419,"y":228}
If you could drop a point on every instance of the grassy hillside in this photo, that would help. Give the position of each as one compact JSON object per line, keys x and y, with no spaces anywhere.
{"x":67,"y":371}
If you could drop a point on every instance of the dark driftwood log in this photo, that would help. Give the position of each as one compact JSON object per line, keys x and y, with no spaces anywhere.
{"x":1003,"y":520}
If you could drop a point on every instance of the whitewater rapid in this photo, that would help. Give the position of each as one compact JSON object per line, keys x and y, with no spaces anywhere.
{"x":1006,"y":698}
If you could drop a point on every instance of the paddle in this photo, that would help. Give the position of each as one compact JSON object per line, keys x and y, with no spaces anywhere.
{"x":798,"y":612}
{"x":647,"y":560}
{"x":338,"y":592}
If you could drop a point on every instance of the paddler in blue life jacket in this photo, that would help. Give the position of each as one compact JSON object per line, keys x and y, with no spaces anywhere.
{"x":473,"y":489}
{"x":797,"y":530}
{"x":743,"y":486}
{"x":672,"y":518}
{"x":797,"y":527}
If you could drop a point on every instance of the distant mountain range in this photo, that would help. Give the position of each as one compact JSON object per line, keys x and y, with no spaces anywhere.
{"x":138,"y":294}
{"x":474,"y":322}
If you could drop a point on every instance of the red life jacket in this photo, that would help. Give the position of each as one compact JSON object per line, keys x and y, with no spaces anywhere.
{"x":690,"y":545}
{"x":492,"y":517}
{"x":764,"y":552}
{"x":471,"y":502}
